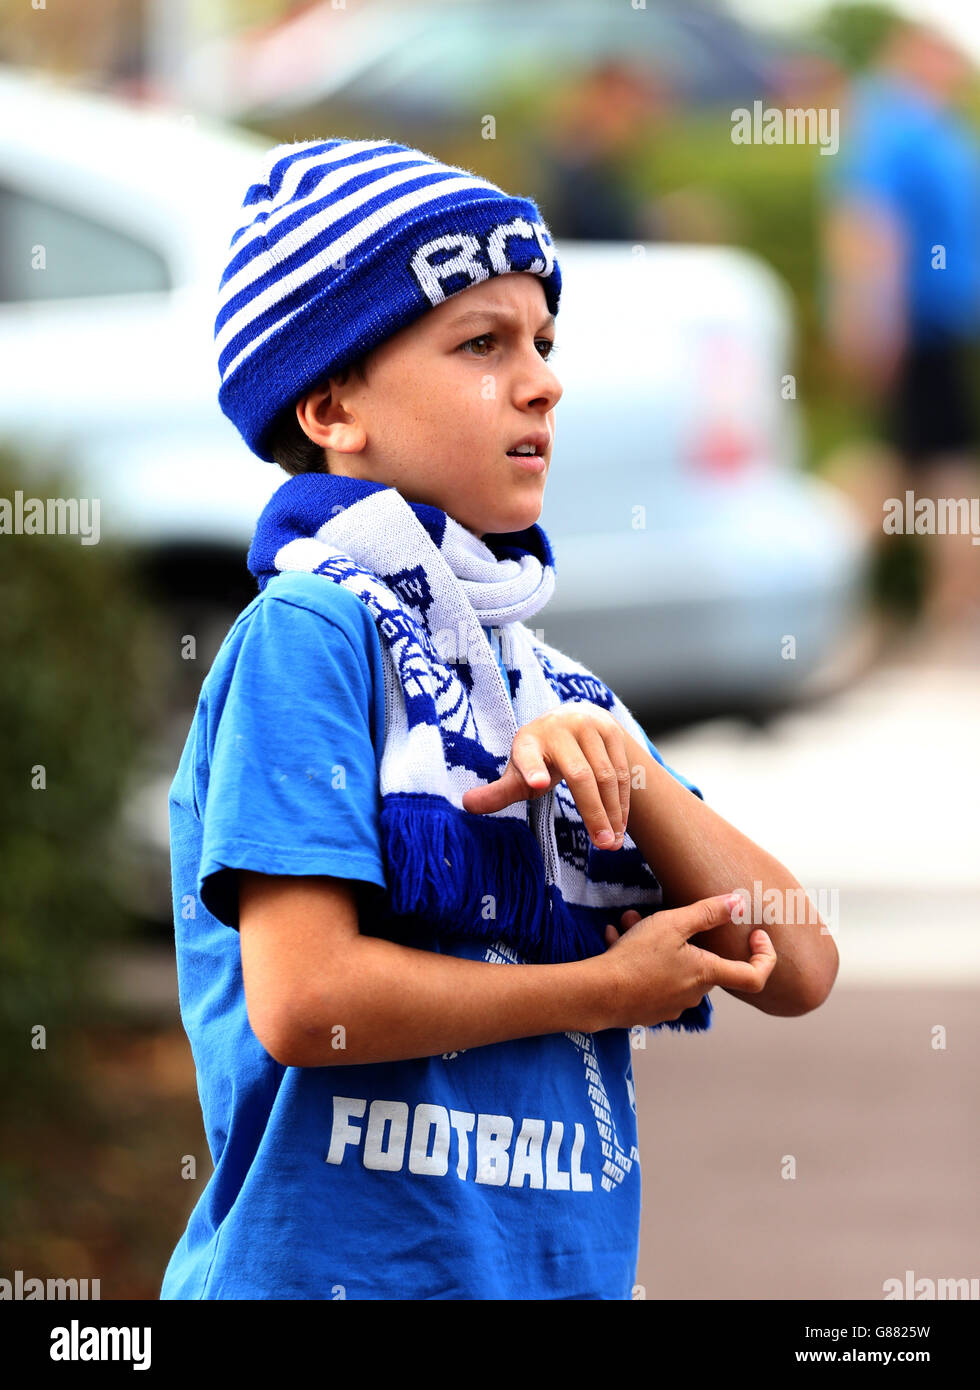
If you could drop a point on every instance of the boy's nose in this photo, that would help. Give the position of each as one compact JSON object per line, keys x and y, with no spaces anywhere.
{"x":543,"y":389}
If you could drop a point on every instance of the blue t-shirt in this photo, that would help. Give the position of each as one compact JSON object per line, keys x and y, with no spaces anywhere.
{"x":922,"y":164}
{"x":501,"y":1172}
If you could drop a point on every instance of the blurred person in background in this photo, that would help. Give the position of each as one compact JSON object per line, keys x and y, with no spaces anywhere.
{"x":586,"y":152}
{"x":902,"y":255}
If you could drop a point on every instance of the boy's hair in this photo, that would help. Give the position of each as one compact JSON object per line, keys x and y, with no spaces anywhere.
{"x":289,"y":444}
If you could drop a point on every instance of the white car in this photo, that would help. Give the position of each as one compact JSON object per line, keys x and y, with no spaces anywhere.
{"x":698,"y":567}
{"x":107,"y":348}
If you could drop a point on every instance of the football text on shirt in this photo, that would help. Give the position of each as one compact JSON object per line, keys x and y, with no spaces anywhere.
{"x":480,"y":1148}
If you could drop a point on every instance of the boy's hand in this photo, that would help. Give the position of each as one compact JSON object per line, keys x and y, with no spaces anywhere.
{"x":658,"y":973}
{"x":577,"y":742}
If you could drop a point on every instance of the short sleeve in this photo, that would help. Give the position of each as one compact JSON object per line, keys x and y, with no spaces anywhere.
{"x":292,"y":768}
{"x":871,"y":164}
{"x":683,"y":780}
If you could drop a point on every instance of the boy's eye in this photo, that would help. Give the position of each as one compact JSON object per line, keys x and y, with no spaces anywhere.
{"x":482,"y":338}
{"x":489,"y":338}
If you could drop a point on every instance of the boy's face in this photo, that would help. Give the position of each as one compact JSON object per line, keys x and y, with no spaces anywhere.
{"x":445,"y":400}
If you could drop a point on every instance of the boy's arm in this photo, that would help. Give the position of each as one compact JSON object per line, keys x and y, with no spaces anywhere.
{"x":320,"y":993}
{"x":697,"y":853}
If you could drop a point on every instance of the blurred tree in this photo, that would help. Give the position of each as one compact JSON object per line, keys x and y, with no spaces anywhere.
{"x":856,"y":31}
{"x":79,"y":683}
{"x":86,"y":41}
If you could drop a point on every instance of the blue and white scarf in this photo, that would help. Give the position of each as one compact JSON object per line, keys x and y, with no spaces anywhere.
{"x":528,"y":874}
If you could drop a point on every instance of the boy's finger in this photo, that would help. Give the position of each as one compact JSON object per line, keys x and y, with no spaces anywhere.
{"x":705,"y":914}
{"x":573,"y":763}
{"x":616,"y":750}
{"x":528,"y":760}
{"x":607,"y":782}
{"x":748,"y":976}
{"x":495,"y":795}
{"x":510,"y":786}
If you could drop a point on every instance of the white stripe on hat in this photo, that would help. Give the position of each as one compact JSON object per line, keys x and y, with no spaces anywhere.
{"x":257,"y":342}
{"x":344,"y":174}
{"x":329,"y":255}
{"x":287,"y":245}
{"x":292,"y":175}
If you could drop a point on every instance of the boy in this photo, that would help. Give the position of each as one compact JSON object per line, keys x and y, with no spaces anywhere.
{"x":408,"y":1003}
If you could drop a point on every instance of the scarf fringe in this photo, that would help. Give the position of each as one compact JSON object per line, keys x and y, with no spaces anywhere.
{"x":446,"y":865}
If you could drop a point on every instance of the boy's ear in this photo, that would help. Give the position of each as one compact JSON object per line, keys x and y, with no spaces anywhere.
{"x":327,"y":421}
{"x":314,"y":404}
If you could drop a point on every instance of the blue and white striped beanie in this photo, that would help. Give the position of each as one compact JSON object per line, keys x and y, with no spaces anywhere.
{"x":344,"y":243}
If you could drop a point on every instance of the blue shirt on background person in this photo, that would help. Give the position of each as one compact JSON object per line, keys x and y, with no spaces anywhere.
{"x":916,"y":159}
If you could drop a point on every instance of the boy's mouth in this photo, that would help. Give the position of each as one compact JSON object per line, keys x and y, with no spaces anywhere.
{"x":529,"y":452}
{"x":533,"y":463}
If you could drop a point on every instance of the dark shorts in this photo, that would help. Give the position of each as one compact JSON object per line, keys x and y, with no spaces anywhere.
{"x":931,"y":408}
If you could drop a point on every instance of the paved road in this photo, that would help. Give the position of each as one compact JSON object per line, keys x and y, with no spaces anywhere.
{"x":877,"y":794}
{"x":884,"y":1129}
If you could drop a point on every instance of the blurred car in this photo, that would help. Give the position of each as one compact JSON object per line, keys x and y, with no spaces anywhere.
{"x":115,"y":223}
{"x":378,"y":61}
{"x":700,"y":569}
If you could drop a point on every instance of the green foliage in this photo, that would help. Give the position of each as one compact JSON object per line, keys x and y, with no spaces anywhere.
{"x":857,"y":32}
{"x":77,"y":696}
{"x":772,"y":198}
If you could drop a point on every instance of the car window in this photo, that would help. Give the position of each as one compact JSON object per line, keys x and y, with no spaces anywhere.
{"x":80,"y":256}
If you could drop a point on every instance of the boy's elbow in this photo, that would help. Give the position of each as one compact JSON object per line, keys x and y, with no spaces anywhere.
{"x":816,"y":986}
{"x":809,"y":1001}
{"x":274,"y":1034}
{"x":799,"y":990}
{"x":292,"y":1040}
{"x":299,"y":975}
